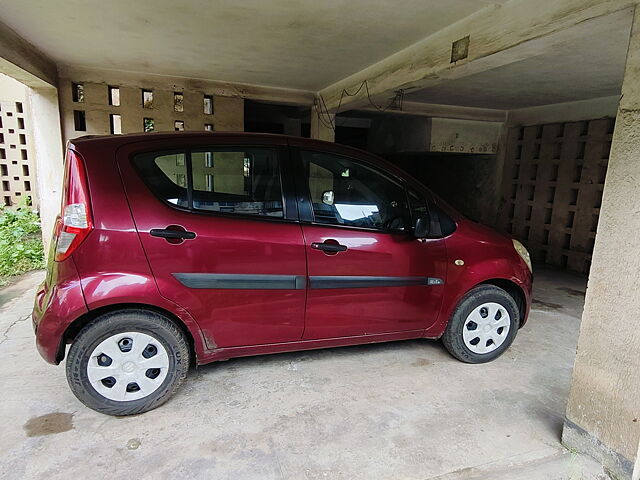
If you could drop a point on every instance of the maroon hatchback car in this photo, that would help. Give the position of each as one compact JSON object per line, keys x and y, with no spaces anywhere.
{"x":181,"y":248}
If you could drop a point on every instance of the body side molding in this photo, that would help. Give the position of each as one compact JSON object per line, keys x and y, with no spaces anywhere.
{"x":296,"y":282}
{"x":241,"y":281}
{"x":346,"y":281}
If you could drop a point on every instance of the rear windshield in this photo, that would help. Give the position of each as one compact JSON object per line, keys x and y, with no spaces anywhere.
{"x":241,"y":181}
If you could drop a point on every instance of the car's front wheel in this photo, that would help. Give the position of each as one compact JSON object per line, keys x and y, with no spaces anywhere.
{"x":483,"y":325}
{"x":127,"y":362}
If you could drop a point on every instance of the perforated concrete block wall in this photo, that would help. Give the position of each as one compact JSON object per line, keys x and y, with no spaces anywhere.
{"x":91,"y":107}
{"x":552,"y":189}
{"x":16,"y":167}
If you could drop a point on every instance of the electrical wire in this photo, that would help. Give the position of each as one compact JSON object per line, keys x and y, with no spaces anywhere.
{"x":331,"y":123}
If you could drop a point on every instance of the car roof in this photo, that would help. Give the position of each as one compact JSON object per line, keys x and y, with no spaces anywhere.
{"x":115,"y":141}
{"x":147,"y":136}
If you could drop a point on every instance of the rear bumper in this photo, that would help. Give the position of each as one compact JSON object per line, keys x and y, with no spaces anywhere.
{"x":57,"y":304}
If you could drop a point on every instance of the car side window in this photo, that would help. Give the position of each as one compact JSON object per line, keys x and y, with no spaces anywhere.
{"x":348,"y":192}
{"x":166,"y":175}
{"x":417,"y":205}
{"x":242,"y":181}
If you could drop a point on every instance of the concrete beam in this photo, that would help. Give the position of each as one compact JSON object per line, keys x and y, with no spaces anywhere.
{"x":499,"y":35}
{"x":564,"y":112}
{"x":281,"y":96}
{"x":24,"y":62}
{"x":444,"y":111}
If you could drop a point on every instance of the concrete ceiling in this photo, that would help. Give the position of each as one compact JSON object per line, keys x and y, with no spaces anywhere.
{"x":589,"y":65}
{"x":301,"y":44}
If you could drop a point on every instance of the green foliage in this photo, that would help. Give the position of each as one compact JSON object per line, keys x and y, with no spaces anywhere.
{"x":21,"y":247}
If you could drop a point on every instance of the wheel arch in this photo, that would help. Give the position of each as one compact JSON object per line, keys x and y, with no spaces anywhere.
{"x":74,"y":328}
{"x":513,"y":289}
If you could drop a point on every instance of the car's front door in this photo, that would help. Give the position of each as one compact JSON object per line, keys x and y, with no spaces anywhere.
{"x":366,"y":275}
{"x":214,"y":225}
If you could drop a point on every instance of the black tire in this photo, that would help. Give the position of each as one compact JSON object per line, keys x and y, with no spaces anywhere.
{"x":453,"y":335}
{"x":166,"y":332}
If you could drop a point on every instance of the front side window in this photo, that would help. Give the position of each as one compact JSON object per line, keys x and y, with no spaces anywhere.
{"x":418,"y":205}
{"x":346,"y":192}
{"x":244,"y":181}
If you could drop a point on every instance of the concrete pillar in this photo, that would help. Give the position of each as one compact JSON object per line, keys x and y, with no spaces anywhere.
{"x":47,"y":144}
{"x":603,"y":412}
{"x":322,"y":125}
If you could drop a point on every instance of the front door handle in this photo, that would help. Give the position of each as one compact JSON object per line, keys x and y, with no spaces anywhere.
{"x":173,"y":234}
{"x":329,"y":246}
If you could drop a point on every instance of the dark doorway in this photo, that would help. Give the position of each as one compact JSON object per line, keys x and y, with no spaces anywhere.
{"x":466,"y":181}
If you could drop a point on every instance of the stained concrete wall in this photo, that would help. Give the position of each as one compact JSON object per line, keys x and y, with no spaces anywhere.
{"x":464,"y":136}
{"x":391,"y":134}
{"x":603,"y":412}
{"x":228,"y":112}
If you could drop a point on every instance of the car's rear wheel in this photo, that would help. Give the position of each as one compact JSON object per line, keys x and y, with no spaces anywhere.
{"x":127,"y":362}
{"x":483,"y":325}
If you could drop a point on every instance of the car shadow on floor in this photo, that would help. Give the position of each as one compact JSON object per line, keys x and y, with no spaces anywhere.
{"x":422,"y":347}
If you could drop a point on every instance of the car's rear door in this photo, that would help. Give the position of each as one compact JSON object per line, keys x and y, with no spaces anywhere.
{"x":220,"y":234}
{"x":365,"y":275}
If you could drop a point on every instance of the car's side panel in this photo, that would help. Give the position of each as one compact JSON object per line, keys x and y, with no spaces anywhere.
{"x":401,"y":286}
{"x":262,"y":258}
{"x":125,"y":290}
{"x":381,"y":281}
{"x":58,"y":302}
{"x":111,"y":263}
{"x":483,"y":260}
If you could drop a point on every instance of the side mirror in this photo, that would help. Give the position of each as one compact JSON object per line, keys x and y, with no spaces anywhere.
{"x":328,"y":197}
{"x":421,"y":228}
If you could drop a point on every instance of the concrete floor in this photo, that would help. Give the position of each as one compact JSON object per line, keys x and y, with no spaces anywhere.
{"x":403,"y":410}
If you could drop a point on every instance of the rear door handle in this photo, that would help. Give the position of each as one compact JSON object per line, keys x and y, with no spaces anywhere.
{"x":329,"y":247}
{"x":172,"y":233}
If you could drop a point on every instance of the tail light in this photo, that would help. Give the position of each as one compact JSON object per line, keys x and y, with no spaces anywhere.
{"x":74,"y":223}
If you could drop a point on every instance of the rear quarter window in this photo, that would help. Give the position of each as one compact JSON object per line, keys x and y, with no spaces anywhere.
{"x":166,"y":176}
